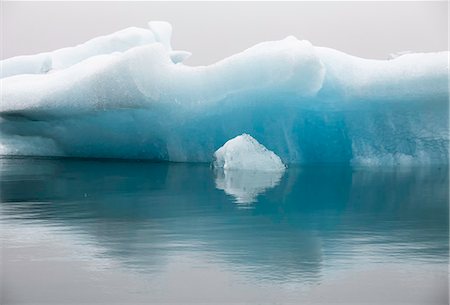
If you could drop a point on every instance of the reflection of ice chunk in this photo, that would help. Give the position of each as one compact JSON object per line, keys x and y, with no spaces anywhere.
{"x":245,"y":153}
{"x":246,"y":185}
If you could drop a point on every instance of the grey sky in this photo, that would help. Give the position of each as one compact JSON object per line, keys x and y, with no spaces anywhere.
{"x":214,"y":30}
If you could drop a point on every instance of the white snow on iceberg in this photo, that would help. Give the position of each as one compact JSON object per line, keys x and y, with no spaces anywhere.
{"x":120,"y":41}
{"x":245,"y":153}
{"x":128,"y":95}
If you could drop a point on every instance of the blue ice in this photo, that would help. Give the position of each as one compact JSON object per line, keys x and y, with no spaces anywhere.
{"x":129,"y":95}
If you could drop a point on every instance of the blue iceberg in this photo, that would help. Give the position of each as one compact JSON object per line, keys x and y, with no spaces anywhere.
{"x":128,"y":95}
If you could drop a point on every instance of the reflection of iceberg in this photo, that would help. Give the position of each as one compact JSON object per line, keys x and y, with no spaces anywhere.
{"x":246,"y":185}
{"x":316,"y":219}
{"x":309,"y":104}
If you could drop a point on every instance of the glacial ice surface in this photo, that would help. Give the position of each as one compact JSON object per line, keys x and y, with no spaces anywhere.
{"x":128,"y":95}
{"x":120,"y":41}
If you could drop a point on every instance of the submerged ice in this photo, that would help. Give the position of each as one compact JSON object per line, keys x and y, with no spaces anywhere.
{"x":128,"y":95}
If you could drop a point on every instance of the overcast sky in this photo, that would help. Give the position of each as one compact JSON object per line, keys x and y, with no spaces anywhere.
{"x":214,"y":30}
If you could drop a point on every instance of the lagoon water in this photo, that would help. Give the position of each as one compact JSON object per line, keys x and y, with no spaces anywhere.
{"x":93,"y":232}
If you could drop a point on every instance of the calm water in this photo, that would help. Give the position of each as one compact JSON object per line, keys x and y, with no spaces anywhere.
{"x":77,"y":231}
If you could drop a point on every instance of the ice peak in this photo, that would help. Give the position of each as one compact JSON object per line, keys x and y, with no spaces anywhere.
{"x":163,"y":32}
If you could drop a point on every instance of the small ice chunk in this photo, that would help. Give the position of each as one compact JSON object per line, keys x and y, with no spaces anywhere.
{"x":245,"y":153}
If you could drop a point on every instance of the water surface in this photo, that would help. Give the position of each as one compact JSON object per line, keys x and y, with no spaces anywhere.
{"x":90,"y":232}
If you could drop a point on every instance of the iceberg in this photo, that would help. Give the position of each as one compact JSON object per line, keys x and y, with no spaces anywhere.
{"x":129,"y":95}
